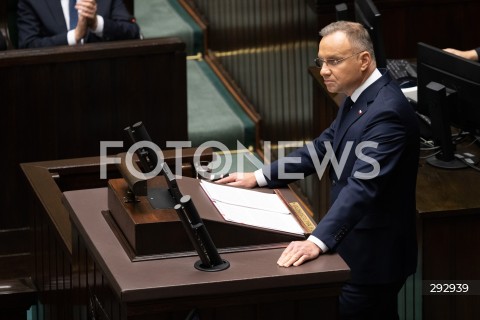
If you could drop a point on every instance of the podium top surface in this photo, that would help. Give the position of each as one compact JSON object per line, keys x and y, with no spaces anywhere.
{"x":177,"y":277}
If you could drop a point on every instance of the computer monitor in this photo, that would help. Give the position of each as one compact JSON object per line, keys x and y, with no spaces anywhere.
{"x":448,"y":92}
{"x":341,"y":12}
{"x":368,"y":15}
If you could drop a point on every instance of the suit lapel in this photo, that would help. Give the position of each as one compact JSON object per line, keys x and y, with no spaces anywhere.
{"x":56,"y":11}
{"x":347,"y":120}
{"x":358,"y":109}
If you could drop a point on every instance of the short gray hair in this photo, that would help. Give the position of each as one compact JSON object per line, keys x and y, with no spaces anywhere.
{"x":356,"y":34}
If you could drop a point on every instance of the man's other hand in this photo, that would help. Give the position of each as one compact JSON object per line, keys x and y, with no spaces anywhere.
{"x":298,"y":252}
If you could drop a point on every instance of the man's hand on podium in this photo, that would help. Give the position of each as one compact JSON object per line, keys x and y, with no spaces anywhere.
{"x":298,"y":252}
{"x":240,"y":179}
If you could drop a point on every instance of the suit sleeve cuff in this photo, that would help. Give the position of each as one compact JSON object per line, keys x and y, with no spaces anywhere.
{"x":318,"y":242}
{"x":261,"y":181}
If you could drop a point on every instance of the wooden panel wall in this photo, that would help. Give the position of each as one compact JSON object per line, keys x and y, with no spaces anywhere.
{"x":441,"y":23}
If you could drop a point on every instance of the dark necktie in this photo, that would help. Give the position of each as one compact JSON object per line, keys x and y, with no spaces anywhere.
{"x":347,"y":105}
{"x":73,"y":14}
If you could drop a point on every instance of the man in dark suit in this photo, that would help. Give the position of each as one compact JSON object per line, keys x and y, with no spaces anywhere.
{"x":373,"y":145}
{"x":45,"y":23}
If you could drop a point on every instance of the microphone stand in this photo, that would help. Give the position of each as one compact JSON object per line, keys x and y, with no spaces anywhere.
{"x":210,"y":259}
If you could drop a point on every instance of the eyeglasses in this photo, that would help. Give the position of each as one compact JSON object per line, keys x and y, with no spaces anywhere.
{"x":332,"y":62}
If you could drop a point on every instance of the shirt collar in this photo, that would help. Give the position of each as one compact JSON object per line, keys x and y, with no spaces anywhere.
{"x":376,"y":74}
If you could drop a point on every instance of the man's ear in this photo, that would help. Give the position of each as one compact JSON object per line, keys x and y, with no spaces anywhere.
{"x":366,"y":59}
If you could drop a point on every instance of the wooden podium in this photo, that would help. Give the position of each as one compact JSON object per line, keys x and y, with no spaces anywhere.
{"x":84,"y":268}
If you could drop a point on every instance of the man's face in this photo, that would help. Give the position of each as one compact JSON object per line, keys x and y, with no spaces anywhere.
{"x":345,"y":76}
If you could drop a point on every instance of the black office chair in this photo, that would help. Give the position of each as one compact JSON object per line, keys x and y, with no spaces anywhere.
{"x":8,"y":24}
{"x":3,"y":42}
{"x":12,"y":23}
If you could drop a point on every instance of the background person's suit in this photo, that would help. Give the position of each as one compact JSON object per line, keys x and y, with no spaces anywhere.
{"x":41,"y":23}
{"x":371,"y":223}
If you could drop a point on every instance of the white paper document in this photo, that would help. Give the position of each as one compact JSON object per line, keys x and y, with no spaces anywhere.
{"x":264,"y":210}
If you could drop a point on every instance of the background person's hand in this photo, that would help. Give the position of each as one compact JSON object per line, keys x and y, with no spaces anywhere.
{"x":81,"y":28}
{"x":88,"y":10}
{"x":467,"y":54}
